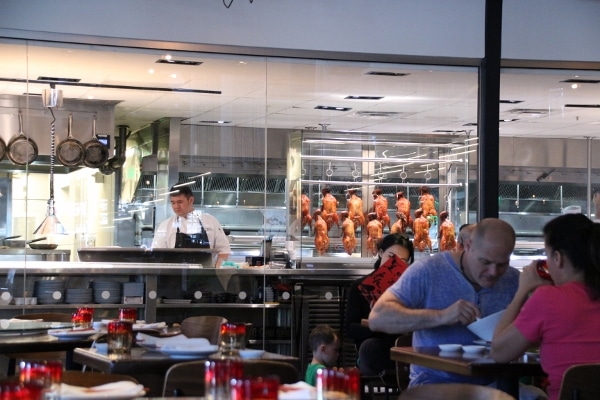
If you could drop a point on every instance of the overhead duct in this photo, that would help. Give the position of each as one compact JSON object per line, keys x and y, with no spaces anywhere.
{"x":147,"y":182}
{"x":116,"y":162}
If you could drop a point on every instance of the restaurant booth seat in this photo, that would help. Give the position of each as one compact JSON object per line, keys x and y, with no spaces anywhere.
{"x":580,"y":382}
{"x":204,"y":326}
{"x":187,"y":378}
{"x":454,"y":391}
{"x":57,"y":355}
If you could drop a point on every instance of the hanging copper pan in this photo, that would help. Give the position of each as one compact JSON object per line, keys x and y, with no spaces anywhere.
{"x":2,"y":149}
{"x":70,"y":151}
{"x":21,"y":149}
{"x":95,"y":153}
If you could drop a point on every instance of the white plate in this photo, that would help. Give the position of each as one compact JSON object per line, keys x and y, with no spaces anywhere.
{"x":473,"y":349}
{"x":190,"y":352}
{"x":72,"y":333}
{"x":251,"y":353}
{"x":450,"y":347}
{"x":484,"y":327}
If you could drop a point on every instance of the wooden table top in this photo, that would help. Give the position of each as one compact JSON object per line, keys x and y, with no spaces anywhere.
{"x":478,"y":364}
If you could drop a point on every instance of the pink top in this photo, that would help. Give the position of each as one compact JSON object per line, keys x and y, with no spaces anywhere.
{"x":566,"y":323}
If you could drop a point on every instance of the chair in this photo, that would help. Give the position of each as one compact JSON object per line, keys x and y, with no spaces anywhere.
{"x":205,"y":326}
{"x":187,"y":378}
{"x":184,"y":379}
{"x":286,"y":372}
{"x":91,"y":379}
{"x":454,"y":391}
{"x":403,"y":369}
{"x":581,"y":382}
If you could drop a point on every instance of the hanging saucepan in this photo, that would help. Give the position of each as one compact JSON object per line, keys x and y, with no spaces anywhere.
{"x":95,"y":153}
{"x":2,"y":149}
{"x":21,"y":243}
{"x":21,"y":149}
{"x":70,"y":151}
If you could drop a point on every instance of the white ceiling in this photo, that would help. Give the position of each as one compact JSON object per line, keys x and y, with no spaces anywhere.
{"x":426,"y":100}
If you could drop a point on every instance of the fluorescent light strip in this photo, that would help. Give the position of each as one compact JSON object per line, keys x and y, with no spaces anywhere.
{"x":198,"y":176}
{"x":183,"y":184}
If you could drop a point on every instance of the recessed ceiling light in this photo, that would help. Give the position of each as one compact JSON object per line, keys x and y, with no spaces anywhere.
{"x":363,"y":97}
{"x":173,"y":76}
{"x":150,"y":71}
{"x":215,"y":122}
{"x":332,"y":108}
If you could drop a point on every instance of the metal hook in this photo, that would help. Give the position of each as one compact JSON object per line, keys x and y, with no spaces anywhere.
{"x":329,"y":171}
{"x":355,"y":172}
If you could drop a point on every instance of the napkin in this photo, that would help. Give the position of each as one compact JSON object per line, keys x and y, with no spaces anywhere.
{"x":297,"y":391}
{"x":119,"y":389}
{"x":155,"y":325}
{"x":179,"y":341}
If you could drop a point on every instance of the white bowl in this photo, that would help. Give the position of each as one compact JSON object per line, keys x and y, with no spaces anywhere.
{"x":25,"y":301}
{"x":450,"y":347}
{"x":484,"y":327}
{"x":473,"y":348}
{"x":251,"y":353}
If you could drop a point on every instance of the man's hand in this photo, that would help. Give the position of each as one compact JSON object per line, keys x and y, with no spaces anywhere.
{"x":462,"y":312}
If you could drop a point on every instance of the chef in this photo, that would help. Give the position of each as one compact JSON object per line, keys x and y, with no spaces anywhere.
{"x":189,"y":228}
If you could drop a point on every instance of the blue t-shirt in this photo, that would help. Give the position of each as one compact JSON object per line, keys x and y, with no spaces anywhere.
{"x":436,"y":283}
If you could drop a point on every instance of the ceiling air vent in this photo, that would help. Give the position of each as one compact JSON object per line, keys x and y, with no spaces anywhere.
{"x":333,"y":108}
{"x":537,"y":111}
{"x":377,"y":114}
{"x":511,"y":101}
{"x":54,"y":79}
{"x":179,"y":62}
{"x":384,"y":73}
{"x":583,"y":105}
{"x":577,"y":80}
{"x":363,"y":97}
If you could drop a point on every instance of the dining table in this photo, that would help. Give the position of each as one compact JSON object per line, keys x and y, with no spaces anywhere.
{"x":33,"y":337}
{"x":479,"y":364}
{"x":148,"y":366}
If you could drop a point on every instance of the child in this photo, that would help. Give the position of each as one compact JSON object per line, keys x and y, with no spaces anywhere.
{"x":325,"y":345}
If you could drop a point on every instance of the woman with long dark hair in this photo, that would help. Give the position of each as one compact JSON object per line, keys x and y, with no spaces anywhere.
{"x":374,"y":347}
{"x":562,"y":315}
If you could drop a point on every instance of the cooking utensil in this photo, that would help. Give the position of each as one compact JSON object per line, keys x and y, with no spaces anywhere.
{"x":2,"y":149}
{"x":95,"y":153}
{"x":4,"y":239}
{"x":70,"y":151}
{"x":21,"y":243}
{"x":43,"y":246}
{"x":21,"y":149}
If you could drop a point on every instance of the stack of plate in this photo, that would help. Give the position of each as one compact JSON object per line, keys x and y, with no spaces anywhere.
{"x":49,"y":292}
{"x":79,"y":296}
{"x":107,"y":292}
{"x":269,"y":294}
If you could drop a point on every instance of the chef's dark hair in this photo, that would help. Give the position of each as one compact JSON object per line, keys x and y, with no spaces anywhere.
{"x":392,"y":239}
{"x":577,"y":238}
{"x":181,"y":190}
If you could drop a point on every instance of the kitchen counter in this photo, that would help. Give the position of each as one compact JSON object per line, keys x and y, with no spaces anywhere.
{"x":20,"y":254}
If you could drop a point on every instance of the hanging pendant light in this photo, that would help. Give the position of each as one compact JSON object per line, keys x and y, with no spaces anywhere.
{"x":51,"y":225}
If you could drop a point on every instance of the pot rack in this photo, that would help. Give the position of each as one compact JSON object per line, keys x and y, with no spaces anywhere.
{"x":366,"y":183}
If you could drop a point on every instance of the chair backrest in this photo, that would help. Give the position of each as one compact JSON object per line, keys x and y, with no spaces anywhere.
{"x":184,"y":379}
{"x":454,"y":391}
{"x":90,"y":379}
{"x":187,"y":378}
{"x":206,"y":326}
{"x":403,"y":369}
{"x":286,"y":372}
{"x":47,"y":317}
{"x":581,"y":382}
